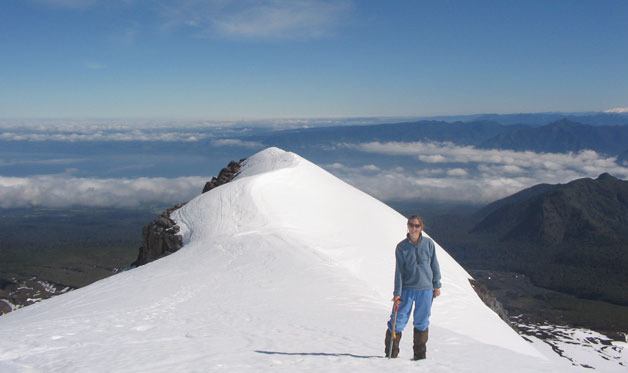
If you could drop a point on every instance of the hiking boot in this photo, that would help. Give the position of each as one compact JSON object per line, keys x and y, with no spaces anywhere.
{"x":420,"y":341}
{"x":394,"y":352}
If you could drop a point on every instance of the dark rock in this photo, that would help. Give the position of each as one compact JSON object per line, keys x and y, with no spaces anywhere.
{"x":490,"y":300}
{"x":21,"y":293}
{"x":161,"y":235}
{"x":159,"y":238}
{"x":5,"y":284}
{"x":4,"y":307}
{"x":164,"y":222}
{"x":226,"y":175}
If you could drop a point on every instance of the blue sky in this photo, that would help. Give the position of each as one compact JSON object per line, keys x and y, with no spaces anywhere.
{"x":222,"y":59}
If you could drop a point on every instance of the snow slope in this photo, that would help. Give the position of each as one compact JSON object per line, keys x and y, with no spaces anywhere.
{"x":286,"y":268}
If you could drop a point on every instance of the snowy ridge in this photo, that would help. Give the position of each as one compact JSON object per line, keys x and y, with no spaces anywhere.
{"x":286,"y":268}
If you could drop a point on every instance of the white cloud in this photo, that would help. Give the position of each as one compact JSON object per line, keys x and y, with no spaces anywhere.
{"x":76,"y":130}
{"x":446,"y":152}
{"x":53,"y":161}
{"x":428,"y":171}
{"x":237,"y":142}
{"x":457,"y":172}
{"x":236,"y":19}
{"x":335,"y":166}
{"x":65,"y":191}
{"x":123,"y":125}
{"x":618,"y":110}
{"x":370,"y":167}
{"x":437,"y":158}
{"x":487,"y":175}
{"x":257,"y":19}
{"x":86,"y":135}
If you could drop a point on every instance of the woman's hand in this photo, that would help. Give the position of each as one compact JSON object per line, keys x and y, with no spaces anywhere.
{"x":396,"y":299}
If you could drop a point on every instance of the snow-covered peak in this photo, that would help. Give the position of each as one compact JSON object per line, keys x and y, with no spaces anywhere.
{"x":267,"y":160}
{"x":285,"y":268}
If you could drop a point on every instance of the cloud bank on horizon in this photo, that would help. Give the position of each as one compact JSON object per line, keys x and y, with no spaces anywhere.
{"x":53,"y":163}
{"x":442,"y":172}
{"x":60,"y":191}
{"x":617,"y":110}
{"x":126,"y":130}
{"x":87,"y":136}
{"x":465,"y":174}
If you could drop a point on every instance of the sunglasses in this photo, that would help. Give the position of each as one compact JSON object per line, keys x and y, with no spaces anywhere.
{"x":414,"y":225}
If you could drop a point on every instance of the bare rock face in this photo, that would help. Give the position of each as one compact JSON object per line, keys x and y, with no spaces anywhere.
{"x":226,"y":175}
{"x":489,"y":299}
{"x":20,"y":293}
{"x":161,"y":236}
{"x":4,"y":307}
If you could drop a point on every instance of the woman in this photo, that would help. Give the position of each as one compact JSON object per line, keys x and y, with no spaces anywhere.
{"x":417,"y":282}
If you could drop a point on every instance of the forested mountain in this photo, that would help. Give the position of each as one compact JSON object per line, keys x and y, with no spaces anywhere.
{"x":571,"y":237}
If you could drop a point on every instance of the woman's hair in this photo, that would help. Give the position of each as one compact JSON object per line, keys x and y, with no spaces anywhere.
{"x":416,"y":217}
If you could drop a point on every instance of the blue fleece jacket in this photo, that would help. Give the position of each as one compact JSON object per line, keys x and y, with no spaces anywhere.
{"x":416,"y":265}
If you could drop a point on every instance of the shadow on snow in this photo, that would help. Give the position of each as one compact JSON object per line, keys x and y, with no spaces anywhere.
{"x":316,"y":354}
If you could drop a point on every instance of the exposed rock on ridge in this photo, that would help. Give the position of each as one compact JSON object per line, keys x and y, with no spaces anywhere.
{"x":161,"y":236}
{"x":16,"y":293}
{"x":490,"y":300}
{"x":226,"y":175}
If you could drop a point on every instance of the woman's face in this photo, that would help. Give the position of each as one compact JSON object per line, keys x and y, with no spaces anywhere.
{"x":415,"y":228}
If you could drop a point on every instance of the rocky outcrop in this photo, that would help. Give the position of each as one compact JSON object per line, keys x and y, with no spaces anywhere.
{"x":226,"y":175}
{"x":160,"y":237}
{"x":16,"y":293}
{"x":490,"y":300}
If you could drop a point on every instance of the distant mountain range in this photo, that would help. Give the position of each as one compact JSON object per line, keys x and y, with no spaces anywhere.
{"x":539,"y":119}
{"x":563,"y":135}
{"x":568,"y":237}
{"x":473,"y":133}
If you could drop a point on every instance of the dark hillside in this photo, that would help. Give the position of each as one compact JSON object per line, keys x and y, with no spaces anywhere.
{"x":571,"y":237}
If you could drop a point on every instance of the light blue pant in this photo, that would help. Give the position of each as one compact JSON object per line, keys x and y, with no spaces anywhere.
{"x":422,"y":300}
